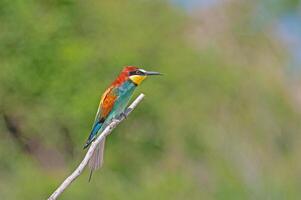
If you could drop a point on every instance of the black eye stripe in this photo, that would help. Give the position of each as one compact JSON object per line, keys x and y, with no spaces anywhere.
{"x":137,"y":72}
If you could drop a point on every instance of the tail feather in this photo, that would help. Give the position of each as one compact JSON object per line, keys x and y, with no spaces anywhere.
{"x":91,"y":172}
{"x":96,"y":160}
{"x":93,"y":133}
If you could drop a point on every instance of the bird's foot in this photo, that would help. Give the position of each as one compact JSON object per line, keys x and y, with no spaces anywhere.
{"x":115,"y":120}
{"x":123,"y":115}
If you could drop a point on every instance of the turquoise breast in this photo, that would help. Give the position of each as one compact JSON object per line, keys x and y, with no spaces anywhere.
{"x":124,"y":93}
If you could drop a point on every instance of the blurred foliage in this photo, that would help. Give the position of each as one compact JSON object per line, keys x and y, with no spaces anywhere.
{"x":220,"y":124}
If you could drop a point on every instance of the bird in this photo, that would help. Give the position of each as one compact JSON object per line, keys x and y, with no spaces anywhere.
{"x":112,"y":105}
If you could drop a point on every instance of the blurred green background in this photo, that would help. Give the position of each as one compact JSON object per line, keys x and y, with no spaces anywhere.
{"x":223,"y":123}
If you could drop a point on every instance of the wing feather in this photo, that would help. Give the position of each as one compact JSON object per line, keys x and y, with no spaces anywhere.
{"x":106,"y":104}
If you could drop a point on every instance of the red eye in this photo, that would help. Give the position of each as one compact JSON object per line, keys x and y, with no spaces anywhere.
{"x":139,"y":72}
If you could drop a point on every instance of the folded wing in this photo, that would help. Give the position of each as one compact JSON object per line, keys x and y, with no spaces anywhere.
{"x":106,"y":104}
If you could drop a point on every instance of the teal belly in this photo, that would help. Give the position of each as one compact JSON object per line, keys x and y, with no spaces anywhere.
{"x":125,"y":92}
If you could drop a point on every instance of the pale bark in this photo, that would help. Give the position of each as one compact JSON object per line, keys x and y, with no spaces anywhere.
{"x":89,"y":153}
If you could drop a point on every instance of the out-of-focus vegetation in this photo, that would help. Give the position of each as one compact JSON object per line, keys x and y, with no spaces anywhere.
{"x":221,"y":123}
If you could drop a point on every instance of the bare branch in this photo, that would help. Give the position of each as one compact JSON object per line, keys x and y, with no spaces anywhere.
{"x":89,"y":153}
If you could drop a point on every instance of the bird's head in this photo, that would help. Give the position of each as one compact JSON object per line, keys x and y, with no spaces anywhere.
{"x":137,"y":75}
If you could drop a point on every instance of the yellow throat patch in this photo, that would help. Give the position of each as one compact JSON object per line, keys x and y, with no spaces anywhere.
{"x":137,"y":79}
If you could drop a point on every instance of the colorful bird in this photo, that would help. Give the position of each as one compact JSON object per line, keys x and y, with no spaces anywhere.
{"x":113,"y":104}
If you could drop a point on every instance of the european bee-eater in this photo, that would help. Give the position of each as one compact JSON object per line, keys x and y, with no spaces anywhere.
{"x":113,"y":104}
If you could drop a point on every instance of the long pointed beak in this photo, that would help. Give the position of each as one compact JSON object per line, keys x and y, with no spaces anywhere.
{"x":149,"y":73}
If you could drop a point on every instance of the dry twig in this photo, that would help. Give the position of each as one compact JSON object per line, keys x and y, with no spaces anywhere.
{"x":89,"y":153}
